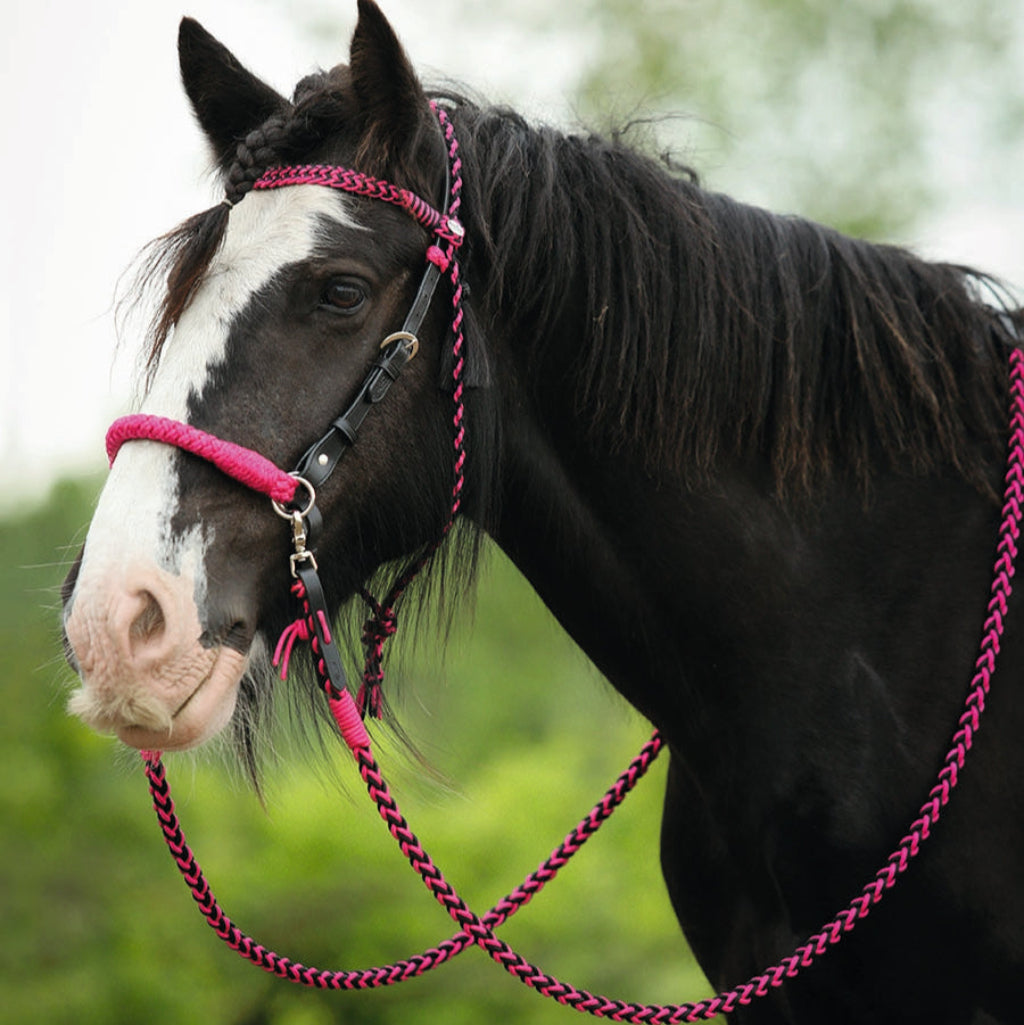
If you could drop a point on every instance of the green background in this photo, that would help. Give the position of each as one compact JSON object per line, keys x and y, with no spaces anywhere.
{"x":522,"y":737}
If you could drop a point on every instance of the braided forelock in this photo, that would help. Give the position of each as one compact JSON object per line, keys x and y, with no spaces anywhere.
{"x":279,"y":136}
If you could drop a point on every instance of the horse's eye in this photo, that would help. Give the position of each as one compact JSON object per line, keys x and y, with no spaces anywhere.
{"x":344,"y":296}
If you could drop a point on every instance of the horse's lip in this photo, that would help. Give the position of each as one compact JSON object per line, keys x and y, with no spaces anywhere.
{"x":124,"y":732}
{"x":224,"y":674}
{"x":199,"y":686}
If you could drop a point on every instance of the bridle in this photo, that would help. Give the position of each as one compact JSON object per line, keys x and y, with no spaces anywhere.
{"x":294,"y":497}
{"x":321,"y":458}
{"x":294,"y":494}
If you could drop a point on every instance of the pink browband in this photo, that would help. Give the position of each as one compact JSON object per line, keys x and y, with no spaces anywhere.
{"x":359,"y":184}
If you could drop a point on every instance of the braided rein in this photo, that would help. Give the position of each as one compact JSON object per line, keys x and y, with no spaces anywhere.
{"x":313,"y":627}
{"x":480,"y":930}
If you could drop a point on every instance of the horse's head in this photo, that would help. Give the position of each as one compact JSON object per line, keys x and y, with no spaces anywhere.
{"x":275,"y":311}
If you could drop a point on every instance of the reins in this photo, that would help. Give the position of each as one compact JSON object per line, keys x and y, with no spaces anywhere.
{"x":294,"y":498}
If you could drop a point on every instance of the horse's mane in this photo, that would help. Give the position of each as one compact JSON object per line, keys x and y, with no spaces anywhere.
{"x":717,"y":330}
{"x":713,"y":329}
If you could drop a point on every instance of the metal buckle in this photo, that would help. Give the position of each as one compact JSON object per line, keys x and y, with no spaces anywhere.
{"x":412,"y":345}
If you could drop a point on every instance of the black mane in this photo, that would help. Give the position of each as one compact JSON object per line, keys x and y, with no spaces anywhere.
{"x":718,"y":330}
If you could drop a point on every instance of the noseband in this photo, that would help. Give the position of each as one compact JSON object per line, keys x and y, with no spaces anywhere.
{"x":313,"y":626}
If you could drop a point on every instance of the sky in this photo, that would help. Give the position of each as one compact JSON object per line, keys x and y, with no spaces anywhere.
{"x":101,"y":155}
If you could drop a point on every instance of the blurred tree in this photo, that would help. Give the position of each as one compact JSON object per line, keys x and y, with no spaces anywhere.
{"x":855,"y":114}
{"x":868,"y":116}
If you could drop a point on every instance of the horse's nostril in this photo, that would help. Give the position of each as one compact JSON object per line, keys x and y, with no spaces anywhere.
{"x":149,"y":623}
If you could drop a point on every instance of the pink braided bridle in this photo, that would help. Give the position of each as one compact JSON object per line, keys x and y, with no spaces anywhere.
{"x":312,"y":626}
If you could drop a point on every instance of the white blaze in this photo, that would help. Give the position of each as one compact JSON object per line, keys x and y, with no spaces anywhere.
{"x":129,"y":549}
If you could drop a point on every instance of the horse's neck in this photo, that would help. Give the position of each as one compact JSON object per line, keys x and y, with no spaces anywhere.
{"x":722,"y":594}
{"x":713,"y":609}
{"x":599,"y":543}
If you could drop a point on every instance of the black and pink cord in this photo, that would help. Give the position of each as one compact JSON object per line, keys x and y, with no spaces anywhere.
{"x":256,"y":472}
{"x":383,"y":621}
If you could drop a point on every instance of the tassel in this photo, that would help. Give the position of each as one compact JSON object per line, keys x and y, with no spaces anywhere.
{"x":370,"y":700}
{"x":297,"y":631}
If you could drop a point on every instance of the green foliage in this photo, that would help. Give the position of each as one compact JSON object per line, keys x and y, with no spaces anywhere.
{"x":98,"y":928}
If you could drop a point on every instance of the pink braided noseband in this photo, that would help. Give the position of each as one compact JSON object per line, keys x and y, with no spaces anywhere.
{"x":246,"y":466}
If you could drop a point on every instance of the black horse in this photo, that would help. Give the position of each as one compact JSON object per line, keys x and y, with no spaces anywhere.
{"x":751,"y":465}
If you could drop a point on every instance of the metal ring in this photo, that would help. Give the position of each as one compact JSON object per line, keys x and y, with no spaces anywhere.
{"x":289,"y":514}
{"x":411,"y":348}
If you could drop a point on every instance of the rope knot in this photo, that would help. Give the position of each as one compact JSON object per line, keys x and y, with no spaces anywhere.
{"x":379,"y":627}
{"x":452,"y":231}
{"x":439,"y":258}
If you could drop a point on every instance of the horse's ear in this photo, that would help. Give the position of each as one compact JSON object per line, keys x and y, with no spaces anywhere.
{"x":229,"y":101}
{"x":391,"y":99}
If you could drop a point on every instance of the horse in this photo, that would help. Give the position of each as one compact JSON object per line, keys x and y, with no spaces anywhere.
{"x":752,"y":466}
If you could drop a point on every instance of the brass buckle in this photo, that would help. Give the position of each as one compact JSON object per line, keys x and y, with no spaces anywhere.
{"x":412,"y":345}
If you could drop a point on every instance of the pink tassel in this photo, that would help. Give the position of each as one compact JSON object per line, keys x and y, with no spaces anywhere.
{"x":297,"y":631}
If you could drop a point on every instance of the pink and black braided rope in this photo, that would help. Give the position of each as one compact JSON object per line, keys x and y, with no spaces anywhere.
{"x":386,"y":975}
{"x":474,"y":930}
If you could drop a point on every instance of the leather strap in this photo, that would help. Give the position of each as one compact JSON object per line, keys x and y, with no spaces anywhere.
{"x":321,"y":459}
{"x":319,"y":620}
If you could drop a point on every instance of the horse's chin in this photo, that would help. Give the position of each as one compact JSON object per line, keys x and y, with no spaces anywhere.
{"x":142,"y":720}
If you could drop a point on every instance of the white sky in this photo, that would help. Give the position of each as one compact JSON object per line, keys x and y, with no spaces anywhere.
{"x":100,"y":155}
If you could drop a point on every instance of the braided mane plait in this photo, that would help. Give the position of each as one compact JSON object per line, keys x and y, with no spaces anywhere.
{"x":263,"y":148}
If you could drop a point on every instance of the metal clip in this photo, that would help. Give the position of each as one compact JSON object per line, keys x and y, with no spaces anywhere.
{"x":298,"y":521}
{"x":302,"y":553}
